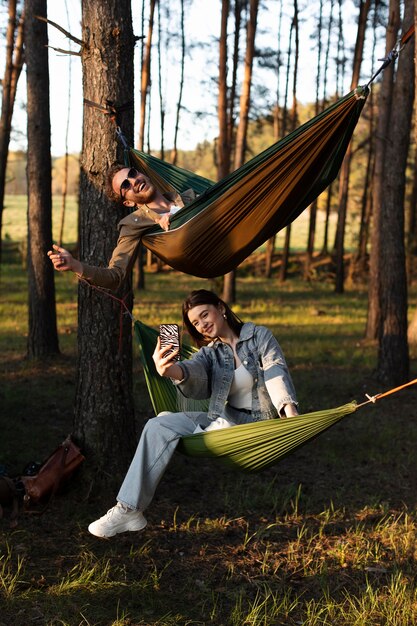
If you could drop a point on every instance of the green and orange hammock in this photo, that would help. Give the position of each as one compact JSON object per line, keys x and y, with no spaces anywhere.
{"x":231,"y":218}
{"x":247,"y":447}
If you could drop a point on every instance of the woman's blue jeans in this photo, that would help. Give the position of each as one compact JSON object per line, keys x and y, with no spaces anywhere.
{"x":155,"y":449}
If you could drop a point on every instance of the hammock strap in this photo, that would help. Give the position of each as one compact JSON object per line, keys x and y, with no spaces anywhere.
{"x":378,"y":396}
{"x":394,"y":53}
{"x":124,"y":309}
{"x":113,"y":111}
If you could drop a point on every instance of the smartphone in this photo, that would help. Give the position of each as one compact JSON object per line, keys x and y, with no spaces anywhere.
{"x":169,"y":335}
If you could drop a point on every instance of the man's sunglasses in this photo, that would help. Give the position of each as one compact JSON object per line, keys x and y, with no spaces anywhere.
{"x":126,"y":184}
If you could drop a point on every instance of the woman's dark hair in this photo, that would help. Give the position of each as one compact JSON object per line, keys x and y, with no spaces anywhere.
{"x":202,"y":296}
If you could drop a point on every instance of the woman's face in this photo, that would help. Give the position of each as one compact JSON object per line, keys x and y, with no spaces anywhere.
{"x":208,"y":320}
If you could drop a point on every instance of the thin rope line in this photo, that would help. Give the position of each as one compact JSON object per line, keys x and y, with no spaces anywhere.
{"x":378,"y":396}
{"x":122,"y":303}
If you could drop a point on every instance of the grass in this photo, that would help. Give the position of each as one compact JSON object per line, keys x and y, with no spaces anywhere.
{"x":327,"y":537}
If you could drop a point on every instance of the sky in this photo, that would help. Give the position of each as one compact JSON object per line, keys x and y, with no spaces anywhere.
{"x":202,"y":26}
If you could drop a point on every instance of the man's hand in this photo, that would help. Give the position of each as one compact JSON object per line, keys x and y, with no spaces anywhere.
{"x":63,"y":260}
{"x":164,"y":221}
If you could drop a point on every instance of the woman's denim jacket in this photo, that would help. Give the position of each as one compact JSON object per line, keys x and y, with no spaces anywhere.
{"x":209,"y":373}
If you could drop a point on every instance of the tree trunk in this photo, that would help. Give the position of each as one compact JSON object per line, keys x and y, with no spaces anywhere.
{"x":13,"y":67}
{"x":285,"y":255}
{"x":325,"y":247}
{"x":384,"y":111}
{"x":160,"y":90}
{"x":270,"y":244}
{"x":242,"y":130}
{"x":345,"y":169}
{"x":235,"y":65}
{"x":295,"y":29}
{"x":223,"y":145}
{"x":104,"y":412}
{"x":341,"y":53}
{"x":393,"y":358}
{"x":145,"y":76}
{"x":269,"y":256}
{"x":313,"y":206}
{"x":144,"y":82}
{"x":229,"y":287}
{"x":174,"y":152}
{"x":42,"y":335}
{"x":327,"y":54}
{"x":412,"y":221}
{"x":412,"y":329}
{"x":359,"y":262}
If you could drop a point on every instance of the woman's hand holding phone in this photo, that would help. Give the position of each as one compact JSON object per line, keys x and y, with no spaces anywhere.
{"x":167,"y":352}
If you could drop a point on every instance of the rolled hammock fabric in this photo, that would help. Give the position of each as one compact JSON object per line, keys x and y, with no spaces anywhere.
{"x":249,"y":447}
{"x":233,"y":217}
{"x":259,"y":445}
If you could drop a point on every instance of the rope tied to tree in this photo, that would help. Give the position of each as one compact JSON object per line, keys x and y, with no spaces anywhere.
{"x":394,"y":53}
{"x":110,"y":108}
{"x":124,"y":309}
{"x":113,"y":111}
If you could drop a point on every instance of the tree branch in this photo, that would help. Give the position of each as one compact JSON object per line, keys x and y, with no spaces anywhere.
{"x":66,"y":33}
{"x":76,"y":54}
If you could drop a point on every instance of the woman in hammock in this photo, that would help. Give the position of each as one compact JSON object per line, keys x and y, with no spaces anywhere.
{"x":239,"y":366}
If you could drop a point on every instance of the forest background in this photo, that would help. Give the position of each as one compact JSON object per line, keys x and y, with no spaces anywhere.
{"x":339,"y":296}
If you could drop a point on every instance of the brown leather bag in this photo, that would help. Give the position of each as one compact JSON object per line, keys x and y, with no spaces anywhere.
{"x":53,"y":473}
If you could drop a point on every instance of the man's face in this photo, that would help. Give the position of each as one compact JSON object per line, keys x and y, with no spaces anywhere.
{"x":133,"y":186}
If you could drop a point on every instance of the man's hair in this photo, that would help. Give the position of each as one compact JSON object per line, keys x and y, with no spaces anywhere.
{"x":111,"y":172}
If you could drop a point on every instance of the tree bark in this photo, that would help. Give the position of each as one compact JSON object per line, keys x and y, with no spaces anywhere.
{"x":13,"y":67}
{"x":160,"y":90}
{"x":393,"y":358}
{"x":412,"y":222}
{"x":174,"y":152}
{"x":295,"y":29}
{"x":313,"y":206}
{"x":42,"y":335}
{"x":384,"y":111}
{"x":104,"y":411}
{"x":242,"y":130}
{"x":412,"y":329}
{"x":345,"y":169}
{"x":270,"y":244}
{"x":223,"y":144}
{"x":145,"y":76}
{"x":229,"y":286}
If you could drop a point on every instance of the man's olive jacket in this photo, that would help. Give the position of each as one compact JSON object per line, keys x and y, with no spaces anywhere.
{"x":131,"y":228}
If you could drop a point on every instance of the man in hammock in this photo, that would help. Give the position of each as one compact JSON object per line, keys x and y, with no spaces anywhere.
{"x":149,"y":207}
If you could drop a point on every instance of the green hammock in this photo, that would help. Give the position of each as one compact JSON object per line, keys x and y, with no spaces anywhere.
{"x":233,"y":217}
{"x":249,"y":447}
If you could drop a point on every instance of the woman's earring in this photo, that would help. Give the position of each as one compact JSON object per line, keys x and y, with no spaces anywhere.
{"x":225,"y":316}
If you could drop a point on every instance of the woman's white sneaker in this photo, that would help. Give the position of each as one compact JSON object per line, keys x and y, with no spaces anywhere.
{"x":119,"y":519}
